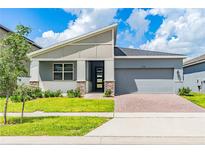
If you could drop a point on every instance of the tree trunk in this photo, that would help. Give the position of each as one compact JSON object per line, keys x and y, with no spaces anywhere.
{"x":5,"y":108}
{"x":22,"y":111}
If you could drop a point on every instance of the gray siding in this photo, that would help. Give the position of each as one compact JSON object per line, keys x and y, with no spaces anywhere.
{"x":192,"y":74}
{"x":98,"y":47}
{"x":149,"y":63}
{"x":194,"y":68}
{"x":46,"y":70}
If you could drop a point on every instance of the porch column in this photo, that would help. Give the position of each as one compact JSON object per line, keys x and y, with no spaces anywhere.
{"x":81,"y":76}
{"x":109,"y":81}
{"x":34,"y":73}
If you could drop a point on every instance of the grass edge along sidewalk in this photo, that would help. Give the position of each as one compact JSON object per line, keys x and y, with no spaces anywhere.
{"x":61,"y":104}
{"x":50,"y":126}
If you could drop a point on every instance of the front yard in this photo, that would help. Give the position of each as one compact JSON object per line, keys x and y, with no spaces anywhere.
{"x":61,"y":104}
{"x":50,"y":126}
{"x":197,"y":98}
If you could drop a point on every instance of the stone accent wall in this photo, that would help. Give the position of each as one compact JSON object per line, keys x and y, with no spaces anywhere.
{"x":34,"y":83}
{"x":110,"y":85}
{"x":82,"y":86}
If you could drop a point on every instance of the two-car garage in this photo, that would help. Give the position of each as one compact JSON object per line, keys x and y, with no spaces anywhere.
{"x":147,"y":75}
{"x":144,"y":71}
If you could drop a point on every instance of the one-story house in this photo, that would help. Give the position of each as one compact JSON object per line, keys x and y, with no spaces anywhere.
{"x":93,"y":63}
{"x":194,"y":74}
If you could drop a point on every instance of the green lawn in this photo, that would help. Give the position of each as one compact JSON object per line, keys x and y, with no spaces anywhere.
{"x":62,"y":105}
{"x":197,"y":98}
{"x":50,"y":126}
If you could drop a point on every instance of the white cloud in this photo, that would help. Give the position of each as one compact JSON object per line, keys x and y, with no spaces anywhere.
{"x":87,"y":20}
{"x":138,"y":25}
{"x":130,"y":46}
{"x":182,"y":31}
{"x":73,"y":11}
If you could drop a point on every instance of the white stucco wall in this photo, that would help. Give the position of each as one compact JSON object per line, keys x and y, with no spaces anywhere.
{"x":81,"y":70}
{"x":57,"y":85}
{"x":34,"y":70}
{"x":109,"y":70}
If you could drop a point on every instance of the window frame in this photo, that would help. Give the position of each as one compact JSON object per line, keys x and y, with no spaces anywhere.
{"x":53,"y":71}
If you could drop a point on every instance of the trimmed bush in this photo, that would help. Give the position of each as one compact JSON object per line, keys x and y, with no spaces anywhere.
{"x":108,"y":93}
{"x":185,"y":91}
{"x":31,"y":93}
{"x":49,"y":93}
{"x":73,"y":93}
{"x":70,"y":93}
{"x":77,"y":93}
{"x":58,"y":93}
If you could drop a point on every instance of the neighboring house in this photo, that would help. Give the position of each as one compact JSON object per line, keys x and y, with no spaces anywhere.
{"x":3,"y":32}
{"x":194,"y":74}
{"x":93,"y":63}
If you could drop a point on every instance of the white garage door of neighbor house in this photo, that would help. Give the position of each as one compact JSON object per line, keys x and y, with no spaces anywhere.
{"x":145,"y":80}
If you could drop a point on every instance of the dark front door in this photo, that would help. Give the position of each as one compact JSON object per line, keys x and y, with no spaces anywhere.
{"x":99,"y":79}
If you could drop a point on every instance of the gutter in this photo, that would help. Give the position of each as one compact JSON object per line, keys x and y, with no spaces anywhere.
{"x":149,"y":57}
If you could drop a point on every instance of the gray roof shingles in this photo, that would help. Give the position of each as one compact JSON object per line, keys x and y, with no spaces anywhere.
{"x":138,"y":52}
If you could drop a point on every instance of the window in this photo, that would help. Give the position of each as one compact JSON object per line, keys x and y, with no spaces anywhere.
{"x":63,"y":72}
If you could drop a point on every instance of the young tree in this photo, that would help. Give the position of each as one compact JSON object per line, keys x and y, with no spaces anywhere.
{"x":21,"y":94}
{"x":13,"y":57}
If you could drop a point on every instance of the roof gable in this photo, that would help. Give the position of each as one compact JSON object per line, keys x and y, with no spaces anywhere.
{"x":75,"y":40}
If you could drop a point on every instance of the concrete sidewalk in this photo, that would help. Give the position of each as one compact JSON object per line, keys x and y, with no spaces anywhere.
{"x":45,"y":114}
{"x":153,"y":125}
{"x":39,"y":140}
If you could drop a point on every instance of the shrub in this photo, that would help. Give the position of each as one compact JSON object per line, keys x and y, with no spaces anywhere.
{"x":34,"y":92}
{"x":70,"y":93}
{"x":30,"y":93}
{"x":38,"y":92}
{"x":58,"y":93}
{"x":73,"y":93}
{"x":49,"y":93}
{"x":108,"y":93}
{"x":77,"y":93}
{"x":185,"y":91}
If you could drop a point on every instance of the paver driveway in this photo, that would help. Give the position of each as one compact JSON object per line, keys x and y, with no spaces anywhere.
{"x":154,"y":103}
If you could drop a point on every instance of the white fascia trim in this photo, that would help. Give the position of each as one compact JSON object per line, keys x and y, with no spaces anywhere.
{"x":147,"y":57}
{"x":70,"y":41}
{"x":194,"y":63}
{"x":73,"y":59}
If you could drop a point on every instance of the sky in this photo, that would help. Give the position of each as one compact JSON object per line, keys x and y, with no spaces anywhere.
{"x":168,"y":30}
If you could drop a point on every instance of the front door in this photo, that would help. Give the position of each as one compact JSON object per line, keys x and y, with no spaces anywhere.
{"x":99,"y":79}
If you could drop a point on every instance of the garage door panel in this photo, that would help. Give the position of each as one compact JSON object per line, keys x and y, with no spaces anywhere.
{"x":144,"y":81}
{"x":154,"y":86}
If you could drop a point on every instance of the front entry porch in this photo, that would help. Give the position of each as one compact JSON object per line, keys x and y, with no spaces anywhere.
{"x":87,"y":75}
{"x":95,"y":76}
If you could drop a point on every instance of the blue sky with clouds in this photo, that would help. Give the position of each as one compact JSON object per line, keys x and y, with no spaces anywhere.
{"x":169,"y":30}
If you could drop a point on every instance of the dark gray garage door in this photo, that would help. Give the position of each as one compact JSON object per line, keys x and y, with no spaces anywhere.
{"x":143,"y":80}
